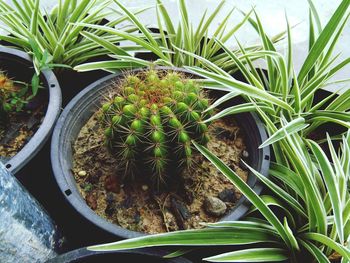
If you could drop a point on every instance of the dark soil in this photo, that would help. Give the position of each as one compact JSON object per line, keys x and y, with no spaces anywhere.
{"x":22,"y":125}
{"x":140,"y":208}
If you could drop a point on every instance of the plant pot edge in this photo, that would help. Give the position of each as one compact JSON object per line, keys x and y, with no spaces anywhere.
{"x":37,"y":141}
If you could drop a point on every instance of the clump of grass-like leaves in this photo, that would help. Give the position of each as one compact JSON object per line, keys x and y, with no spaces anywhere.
{"x":166,"y":44}
{"x":310,"y":189}
{"x":54,"y":38}
{"x":280,"y":92}
{"x":313,"y":195}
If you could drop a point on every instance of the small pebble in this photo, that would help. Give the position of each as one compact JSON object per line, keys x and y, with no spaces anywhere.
{"x":214,"y":206}
{"x":82,"y":173}
{"x":245,"y":154}
{"x":144,"y":187}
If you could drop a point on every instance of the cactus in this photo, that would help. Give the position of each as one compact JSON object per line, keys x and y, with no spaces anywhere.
{"x":150,"y":123}
{"x":6,"y":88}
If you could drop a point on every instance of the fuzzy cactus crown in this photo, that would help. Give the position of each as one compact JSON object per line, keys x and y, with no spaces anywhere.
{"x":150,"y":123}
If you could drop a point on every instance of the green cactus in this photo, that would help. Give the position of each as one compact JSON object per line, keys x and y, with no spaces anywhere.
{"x":149,"y":125}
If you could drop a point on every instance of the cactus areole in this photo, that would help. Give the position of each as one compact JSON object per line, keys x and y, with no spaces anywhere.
{"x":150,"y":123}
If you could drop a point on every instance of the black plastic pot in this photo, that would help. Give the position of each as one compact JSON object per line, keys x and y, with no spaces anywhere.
{"x":72,"y":82}
{"x":18,"y":65}
{"x":81,"y":108}
{"x":83,"y":255}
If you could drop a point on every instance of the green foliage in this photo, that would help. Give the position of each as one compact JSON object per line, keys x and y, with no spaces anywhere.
{"x":310,"y":190}
{"x":54,"y":38}
{"x":12,"y":98}
{"x":280,"y":91}
{"x":166,"y":45}
{"x":313,"y":193}
{"x":152,"y":120}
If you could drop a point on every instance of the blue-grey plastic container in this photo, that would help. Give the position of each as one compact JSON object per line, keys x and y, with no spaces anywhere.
{"x":27,"y":233}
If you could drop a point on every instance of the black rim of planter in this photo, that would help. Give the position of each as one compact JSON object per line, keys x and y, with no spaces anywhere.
{"x":83,"y":253}
{"x":81,"y":108}
{"x":37,"y":141}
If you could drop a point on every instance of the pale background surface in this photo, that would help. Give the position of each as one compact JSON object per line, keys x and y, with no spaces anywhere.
{"x":272,"y":14}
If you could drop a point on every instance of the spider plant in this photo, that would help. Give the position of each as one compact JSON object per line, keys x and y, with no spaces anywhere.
{"x":311,"y":191}
{"x":164,"y":45}
{"x":279,"y":91}
{"x":313,"y":195}
{"x":54,"y":38}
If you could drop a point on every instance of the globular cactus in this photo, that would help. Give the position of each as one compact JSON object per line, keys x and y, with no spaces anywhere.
{"x":150,"y":123}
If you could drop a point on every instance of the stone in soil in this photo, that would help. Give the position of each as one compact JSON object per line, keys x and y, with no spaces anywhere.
{"x":227,"y":195}
{"x":214,"y":206}
{"x":245,"y":154}
{"x":82,"y":173}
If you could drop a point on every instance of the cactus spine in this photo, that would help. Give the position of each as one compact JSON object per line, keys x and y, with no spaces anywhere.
{"x":149,"y":125}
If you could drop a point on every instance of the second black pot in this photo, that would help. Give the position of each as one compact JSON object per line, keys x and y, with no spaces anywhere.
{"x":19,"y":66}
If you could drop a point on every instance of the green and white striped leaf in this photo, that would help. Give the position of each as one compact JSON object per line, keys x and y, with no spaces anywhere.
{"x":294,"y":126}
{"x":199,"y":237}
{"x":252,"y":255}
